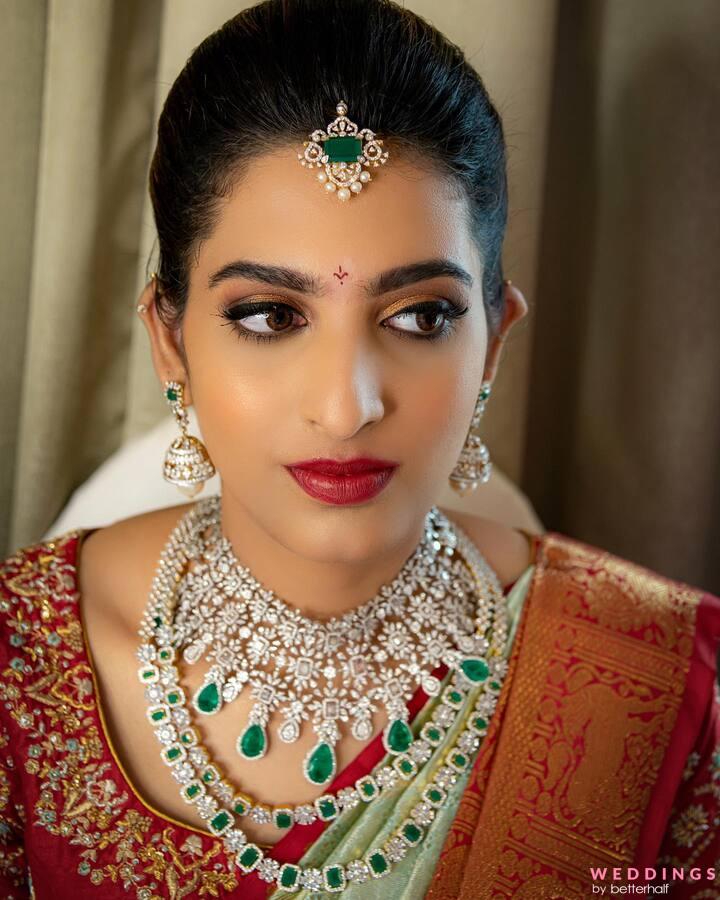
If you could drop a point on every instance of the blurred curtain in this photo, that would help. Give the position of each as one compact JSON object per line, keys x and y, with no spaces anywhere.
{"x":623,"y":428}
{"x":606,"y":405}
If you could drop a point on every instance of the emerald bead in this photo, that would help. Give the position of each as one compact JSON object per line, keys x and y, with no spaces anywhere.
{"x":158,"y":715}
{"x":453,"y":698}
{"x":398,"y":737}
{"x":173,"y":753}
{"x":241,"y":804}
{"x":334,"y":878}
{"x":320,"y":763}
{"x":367,"y":787}
{"x":249,"y":857}
{"x":495,"y":685}
{"x":171,"y":394}
{"x":475,"y":669}
{"x":405,"y":766}
{"x":479,"y":725}
{"x":412,"y":833}
{"x":289,"y":875}
{"x":343,"y":149}
{"x":283,"y":819}
{"x":326,"y":808}
{"x":434,"y":795}
{"x":431,"y":734}
{"x":220,"y":822}
{"x":210,"y":775}
{"x":377,"y":862}
{"x":207,"y":699}
{"x":192,"y":790}
{"x":253,"y":742}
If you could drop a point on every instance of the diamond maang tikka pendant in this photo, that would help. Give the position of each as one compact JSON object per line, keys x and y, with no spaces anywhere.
{"x":344,"y":154}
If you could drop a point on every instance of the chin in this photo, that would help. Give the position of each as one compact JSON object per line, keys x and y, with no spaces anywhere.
{"x":351,"y":534}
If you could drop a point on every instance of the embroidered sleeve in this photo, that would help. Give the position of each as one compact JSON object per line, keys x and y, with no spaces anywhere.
{"x":692,"y":839}
{"x":13,"y":870}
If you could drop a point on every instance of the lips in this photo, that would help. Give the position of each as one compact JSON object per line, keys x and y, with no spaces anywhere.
{"x":343,"y":482}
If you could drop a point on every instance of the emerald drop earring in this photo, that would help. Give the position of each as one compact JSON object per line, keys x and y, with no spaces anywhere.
{"x":187,"y":463}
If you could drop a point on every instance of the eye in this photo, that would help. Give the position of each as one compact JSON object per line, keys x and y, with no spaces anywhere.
{"x":428,"y":320}
{"x":264,"y":321}
{"x":270,"y":320}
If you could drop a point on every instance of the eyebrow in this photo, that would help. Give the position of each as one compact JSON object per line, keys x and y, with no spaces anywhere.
{"x":304,"y":283}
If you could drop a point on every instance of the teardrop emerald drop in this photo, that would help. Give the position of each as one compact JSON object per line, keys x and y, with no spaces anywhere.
{"x":475,"y":669}
{"x":253,"y":742}
{"x":207,"y":699}
{"x":320,"y":763}
{"x":398,"y":737}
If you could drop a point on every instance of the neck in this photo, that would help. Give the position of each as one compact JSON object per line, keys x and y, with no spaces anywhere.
{"x":319,"y":589}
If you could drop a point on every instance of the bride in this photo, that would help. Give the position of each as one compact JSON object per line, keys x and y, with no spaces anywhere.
{"x":320,"y":681}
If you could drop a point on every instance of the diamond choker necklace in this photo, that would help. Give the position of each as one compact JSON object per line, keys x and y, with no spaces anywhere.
{"x":445,"y":607}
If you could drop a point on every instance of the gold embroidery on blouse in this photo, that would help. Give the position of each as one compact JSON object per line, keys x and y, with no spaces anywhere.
{"x":50,"y":696}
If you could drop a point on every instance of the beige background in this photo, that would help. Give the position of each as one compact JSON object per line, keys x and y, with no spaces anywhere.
{"x":606,"y":409}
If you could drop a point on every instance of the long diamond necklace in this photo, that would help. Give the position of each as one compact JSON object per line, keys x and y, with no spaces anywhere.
{"x":197,"y":539}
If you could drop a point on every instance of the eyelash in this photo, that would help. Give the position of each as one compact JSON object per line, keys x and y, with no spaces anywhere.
{"x":450,"y":311}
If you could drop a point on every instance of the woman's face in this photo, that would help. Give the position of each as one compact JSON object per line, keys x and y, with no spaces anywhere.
{"x":338,"y":366}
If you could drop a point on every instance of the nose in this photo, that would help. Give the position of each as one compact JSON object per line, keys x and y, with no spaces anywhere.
{"x":342,"y":386}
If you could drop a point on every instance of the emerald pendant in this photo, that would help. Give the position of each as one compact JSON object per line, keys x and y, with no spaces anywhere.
{"x":252,"y":743}
{"x":474,"y":669}
{"x":320,"y":763}
{"x":207,"y":699}
{"x":397,"y":736}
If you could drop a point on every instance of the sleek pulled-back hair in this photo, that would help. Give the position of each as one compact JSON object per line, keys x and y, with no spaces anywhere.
{"x":275,"y":72}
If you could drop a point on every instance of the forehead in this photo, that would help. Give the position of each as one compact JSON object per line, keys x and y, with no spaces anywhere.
{"x":278,"y":212}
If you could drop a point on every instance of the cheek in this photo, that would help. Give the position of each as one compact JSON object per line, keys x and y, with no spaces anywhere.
{"x":437,"y":412}
{"x":236,"y":404}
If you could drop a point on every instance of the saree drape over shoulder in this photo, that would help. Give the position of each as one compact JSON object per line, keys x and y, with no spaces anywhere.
{"x":601,"y":765}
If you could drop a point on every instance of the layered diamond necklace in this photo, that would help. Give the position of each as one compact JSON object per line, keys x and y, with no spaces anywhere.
{"x":445,"y":607}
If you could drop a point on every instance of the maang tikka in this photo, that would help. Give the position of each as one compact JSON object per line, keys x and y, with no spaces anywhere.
{"x":187,"y":463}
{"x":473,"y":466}
{"x":341,"y":151}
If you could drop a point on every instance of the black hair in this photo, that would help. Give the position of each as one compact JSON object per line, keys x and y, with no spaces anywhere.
{"x":275,"y":72}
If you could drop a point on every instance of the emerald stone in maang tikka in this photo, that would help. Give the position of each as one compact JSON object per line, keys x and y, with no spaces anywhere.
{"x":343,"y":149}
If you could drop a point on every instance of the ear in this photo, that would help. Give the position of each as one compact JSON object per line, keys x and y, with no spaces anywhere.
{"x":167,"y":357}
{"x":515,"y":308}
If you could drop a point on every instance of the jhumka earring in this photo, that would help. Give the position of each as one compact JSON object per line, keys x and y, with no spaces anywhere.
{"x":473,"y":466}
{"x":341,"y":151}
{"x":187,"y":463}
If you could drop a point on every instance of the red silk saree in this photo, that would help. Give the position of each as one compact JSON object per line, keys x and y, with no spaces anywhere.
{"x":601,"y":761}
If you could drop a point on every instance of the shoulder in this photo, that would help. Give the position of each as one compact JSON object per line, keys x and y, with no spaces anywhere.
{"x":117,"y":563}
{"x":507,"y":550}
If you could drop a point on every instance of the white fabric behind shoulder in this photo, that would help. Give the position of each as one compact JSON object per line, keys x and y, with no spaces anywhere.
{"x":128,"y":483}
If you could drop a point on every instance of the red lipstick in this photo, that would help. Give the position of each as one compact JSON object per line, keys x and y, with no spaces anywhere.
{"x":343,"y":482}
